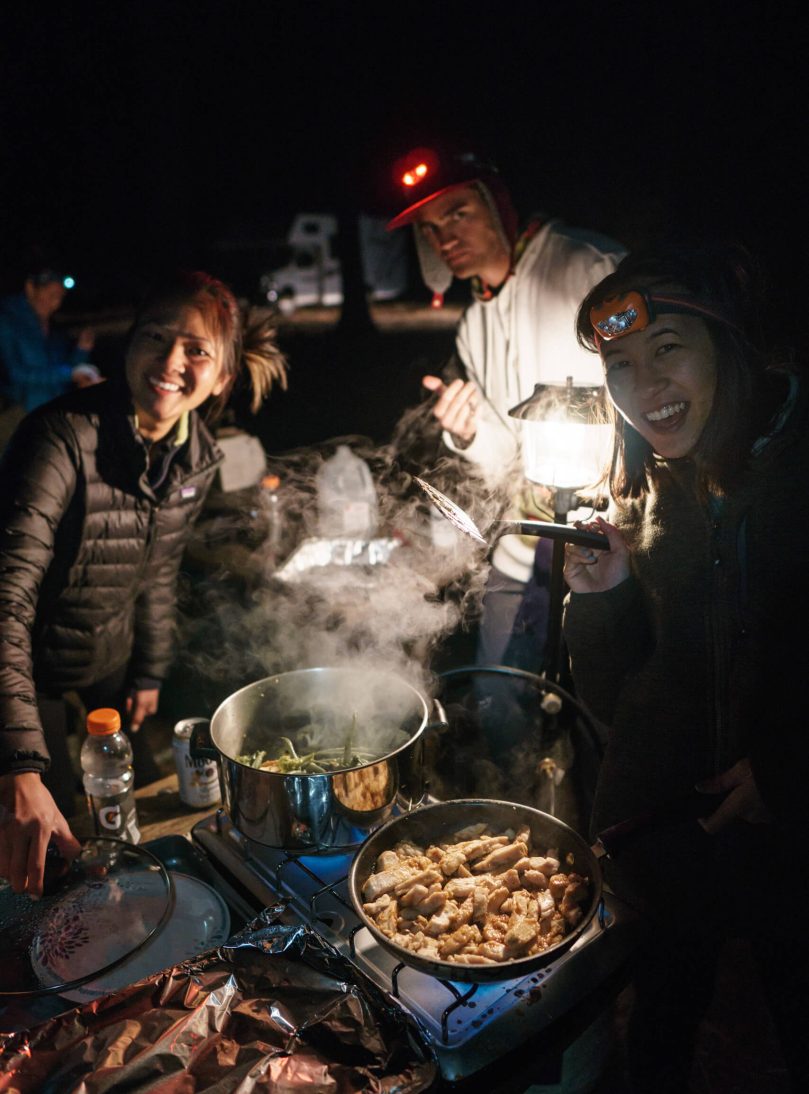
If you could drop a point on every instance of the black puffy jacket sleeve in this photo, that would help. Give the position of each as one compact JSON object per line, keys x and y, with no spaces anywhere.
{"x":38,"y":478}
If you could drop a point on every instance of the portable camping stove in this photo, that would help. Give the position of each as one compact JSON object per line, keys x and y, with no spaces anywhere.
{"x":468,"y":1026}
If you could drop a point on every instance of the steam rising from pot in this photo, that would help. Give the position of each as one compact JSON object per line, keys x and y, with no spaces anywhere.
{"x":240,"y":623}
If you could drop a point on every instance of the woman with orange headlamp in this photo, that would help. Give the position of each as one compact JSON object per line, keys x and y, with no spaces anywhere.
{"x":685,"y":641}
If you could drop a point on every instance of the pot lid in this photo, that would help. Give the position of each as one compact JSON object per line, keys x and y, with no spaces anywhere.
{"x":112,"y":900}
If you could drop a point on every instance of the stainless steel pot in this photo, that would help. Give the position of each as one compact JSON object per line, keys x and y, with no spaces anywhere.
{"x":386,"y":719}
{"x":436,"y":823}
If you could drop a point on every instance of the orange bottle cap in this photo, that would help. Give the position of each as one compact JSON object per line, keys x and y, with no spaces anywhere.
{"x":271,"y":482}
{"x":102,"y":721}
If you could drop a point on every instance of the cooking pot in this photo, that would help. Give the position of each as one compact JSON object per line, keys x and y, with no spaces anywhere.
{"x":343,"y":714}
{"x":433,"y":824}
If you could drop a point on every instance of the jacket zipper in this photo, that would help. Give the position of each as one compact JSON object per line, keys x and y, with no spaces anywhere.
{"x":154,"y":509}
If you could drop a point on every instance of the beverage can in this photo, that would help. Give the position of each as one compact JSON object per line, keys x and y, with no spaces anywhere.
{"x":198,"y":779}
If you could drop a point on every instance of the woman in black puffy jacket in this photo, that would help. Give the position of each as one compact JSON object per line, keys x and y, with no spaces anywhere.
{"x":98,"y":492}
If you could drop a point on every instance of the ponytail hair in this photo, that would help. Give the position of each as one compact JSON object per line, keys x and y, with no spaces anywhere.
{"x":247,"y":337}
{"x":263,"y":362}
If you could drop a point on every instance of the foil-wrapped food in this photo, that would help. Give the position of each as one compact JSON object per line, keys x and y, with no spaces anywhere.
{"x":316,"y":557}
{"x":275,"y":1008}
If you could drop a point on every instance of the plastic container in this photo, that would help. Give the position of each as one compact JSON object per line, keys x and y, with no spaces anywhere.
{"x":108,"y":776}
{"x":346,"y":497}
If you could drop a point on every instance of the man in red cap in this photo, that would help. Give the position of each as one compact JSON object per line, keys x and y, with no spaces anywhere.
{"x":518,"y":331}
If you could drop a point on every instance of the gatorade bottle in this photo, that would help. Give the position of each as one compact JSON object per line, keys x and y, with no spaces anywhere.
{"x":346,"y":497}
{"x":108,"y":776}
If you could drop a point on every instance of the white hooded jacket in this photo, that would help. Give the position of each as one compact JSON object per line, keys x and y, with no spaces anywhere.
{"x":526,"y":335}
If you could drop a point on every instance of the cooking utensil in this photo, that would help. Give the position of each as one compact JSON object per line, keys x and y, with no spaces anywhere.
{"x":384,"y":717}
{"x":433,"y":824}
{"x":112,"y":901}
{"x":559,"y":533}
{"x":566,"y":533}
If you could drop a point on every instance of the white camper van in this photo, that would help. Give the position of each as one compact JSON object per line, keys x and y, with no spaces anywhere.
{"x":312,"y":274}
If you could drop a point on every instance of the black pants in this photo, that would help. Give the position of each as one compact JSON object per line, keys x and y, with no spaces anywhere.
{"x":61,"y":778}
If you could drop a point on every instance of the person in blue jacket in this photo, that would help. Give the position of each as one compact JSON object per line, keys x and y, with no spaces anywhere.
{"x":37,"y":361}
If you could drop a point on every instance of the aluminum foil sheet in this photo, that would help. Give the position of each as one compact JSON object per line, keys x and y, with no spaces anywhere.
{"x":315,"y":557}
{"x":274,"y":1009}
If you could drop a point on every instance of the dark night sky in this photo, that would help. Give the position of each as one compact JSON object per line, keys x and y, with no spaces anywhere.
{"x":134,"y":134}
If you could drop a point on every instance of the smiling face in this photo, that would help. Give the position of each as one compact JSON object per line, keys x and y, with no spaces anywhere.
{"x":460,"y":228}
{"x":662,"y":380}
{"x":173,"y":364}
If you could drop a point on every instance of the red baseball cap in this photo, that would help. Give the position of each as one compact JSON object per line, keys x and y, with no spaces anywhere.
{"x":425,"y":173}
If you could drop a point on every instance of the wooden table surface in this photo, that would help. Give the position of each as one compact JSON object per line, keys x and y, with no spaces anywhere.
{"x":160,"y":812}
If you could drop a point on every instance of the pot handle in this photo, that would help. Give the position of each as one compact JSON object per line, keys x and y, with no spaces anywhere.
{"x":688,"y":808}
{"x":200,"y":745}
{"x":441,"y":723}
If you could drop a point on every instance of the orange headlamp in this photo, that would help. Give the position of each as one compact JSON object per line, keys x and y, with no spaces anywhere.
{"x":633,"y":311}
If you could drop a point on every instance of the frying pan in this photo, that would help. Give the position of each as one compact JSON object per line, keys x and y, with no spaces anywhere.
{"x":433,"y":824}
{"x":436,"y":823}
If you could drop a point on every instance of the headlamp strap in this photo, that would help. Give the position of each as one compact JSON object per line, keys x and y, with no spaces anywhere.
{"x":682,"y":305}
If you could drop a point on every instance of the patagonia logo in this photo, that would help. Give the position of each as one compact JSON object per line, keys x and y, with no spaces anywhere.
{"x":188,"y":492}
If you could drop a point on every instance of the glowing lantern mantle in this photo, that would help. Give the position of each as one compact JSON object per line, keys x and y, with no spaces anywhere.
{"x":564,"y":446}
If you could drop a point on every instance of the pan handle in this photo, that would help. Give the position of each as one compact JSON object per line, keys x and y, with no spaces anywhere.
{"x":200,"y":746}
{"x":690,"y":807}
{"x":567,"y":533}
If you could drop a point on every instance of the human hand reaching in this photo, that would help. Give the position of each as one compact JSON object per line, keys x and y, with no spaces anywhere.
{"x":87,"y":339}
{"x":455,"y":407}
{"x":139,"y":705}
{"x":86,"y":375}
{"x":29,"y":819}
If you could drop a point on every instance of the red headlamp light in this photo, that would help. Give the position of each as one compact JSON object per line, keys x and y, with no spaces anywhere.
{"x":618,"y":316}
{"x":417,"y":170}
{"x":425,"y":173}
